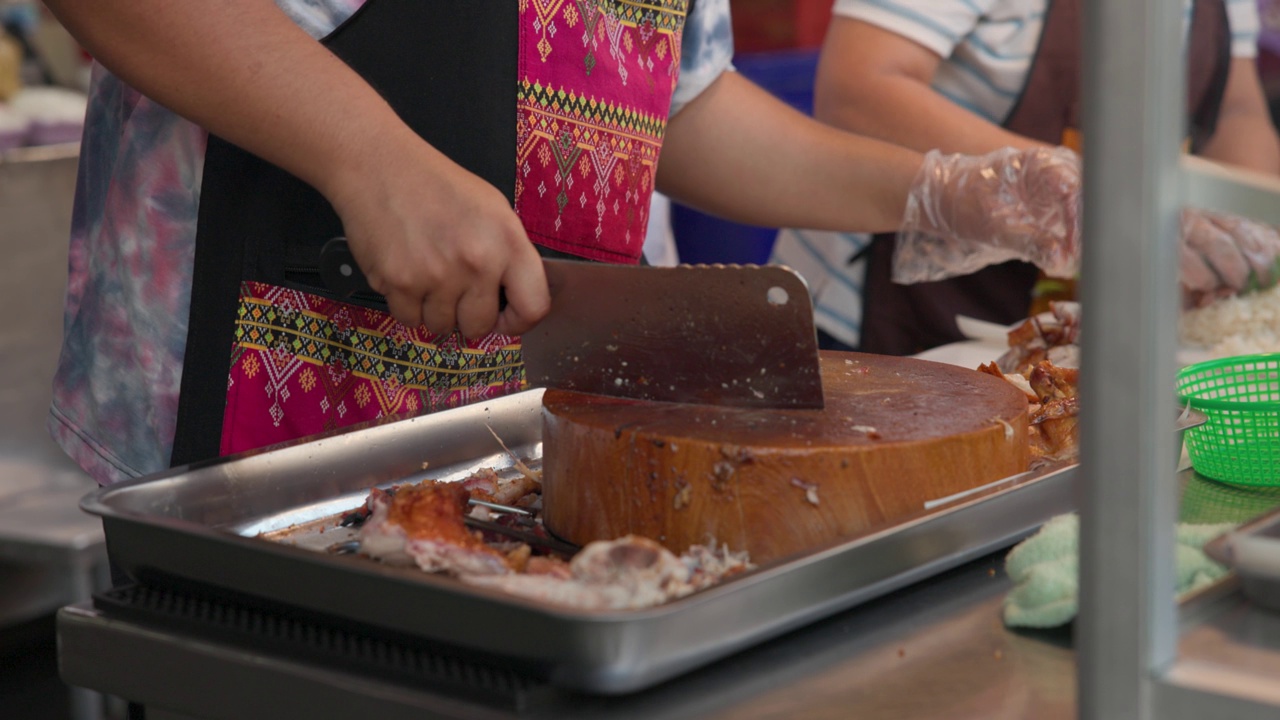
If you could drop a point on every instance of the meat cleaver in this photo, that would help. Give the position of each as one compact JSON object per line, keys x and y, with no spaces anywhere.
{"x":737,"y":335}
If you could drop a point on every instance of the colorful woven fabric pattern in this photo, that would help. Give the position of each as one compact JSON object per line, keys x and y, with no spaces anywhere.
{"x":595,"y":85}
{"x":115,"y":396}
{"x":304,"y":364}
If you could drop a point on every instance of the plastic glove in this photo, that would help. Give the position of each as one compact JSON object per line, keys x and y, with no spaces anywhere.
{"x":966,"y":212}
{"x":1223,"y":255}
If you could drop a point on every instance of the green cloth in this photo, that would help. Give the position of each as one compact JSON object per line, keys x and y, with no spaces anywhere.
{"x":1045,"y":569}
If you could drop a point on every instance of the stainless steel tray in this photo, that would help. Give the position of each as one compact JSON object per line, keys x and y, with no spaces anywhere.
{"x":1253,"y":551}
{"x":200,"y":526}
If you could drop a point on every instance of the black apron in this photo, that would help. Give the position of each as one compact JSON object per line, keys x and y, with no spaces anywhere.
{"x":258,"y":221}
{"x":453,"y":71}
{"x":907,"y":319}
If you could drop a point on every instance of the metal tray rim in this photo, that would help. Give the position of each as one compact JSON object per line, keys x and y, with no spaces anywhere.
{"x":95,"y":503}
{"x":596,"y":651}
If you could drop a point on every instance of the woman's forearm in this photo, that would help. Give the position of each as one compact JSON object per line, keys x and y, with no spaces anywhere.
{"x":1244,"y":136}
{"x":903,"y":111}
{"x":875,"y":82}
{"x":1245,"y":141}
{"x":243,"y":70}
{"x":737,"y":152}
{"x":436,"y":240}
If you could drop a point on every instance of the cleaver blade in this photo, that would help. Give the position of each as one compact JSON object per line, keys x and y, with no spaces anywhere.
{"x":735,"y":335}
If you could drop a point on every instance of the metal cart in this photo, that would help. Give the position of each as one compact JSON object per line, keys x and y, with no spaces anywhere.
{"x":1134,"y":662}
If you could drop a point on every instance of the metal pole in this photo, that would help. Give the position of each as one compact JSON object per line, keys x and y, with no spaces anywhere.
{"x":1133,"y":99}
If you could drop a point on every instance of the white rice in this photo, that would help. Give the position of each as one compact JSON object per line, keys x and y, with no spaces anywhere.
{"x":1235,"y":325}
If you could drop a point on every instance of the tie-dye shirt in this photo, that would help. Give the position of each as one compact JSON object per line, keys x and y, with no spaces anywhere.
{"x":115,"y":395}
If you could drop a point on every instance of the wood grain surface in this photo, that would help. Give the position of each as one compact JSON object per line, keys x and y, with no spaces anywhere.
{"x":895,"y":433}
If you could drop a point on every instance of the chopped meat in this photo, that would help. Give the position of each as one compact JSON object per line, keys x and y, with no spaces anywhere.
{"x":548,"y":565}
{"x":357,"y":517}
{"x":1054,"y":404}
{"x":1050,"y":382}
{"x":485,"y":484}
{"x":1012,"y":378}
{"x":708,"y":566}
{"x":1035,"y":339}
{"x":518,"y":557}
{"x":628,"y":573}
{"x":1057,"y":417}
{"x":423,"y":524}
{"x":1043,"y":361}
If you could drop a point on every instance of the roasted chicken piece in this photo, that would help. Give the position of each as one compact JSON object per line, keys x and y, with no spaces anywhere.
{"x":1050,"y":335}
{"x":627,"y":573}
{"x":1052,"y":393}
{"x":1058,"y":414}
{"x":423,"y":524}
{"x":485,"y":484}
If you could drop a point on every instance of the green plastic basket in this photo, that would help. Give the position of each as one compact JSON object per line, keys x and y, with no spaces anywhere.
{"x":1240,"y":396}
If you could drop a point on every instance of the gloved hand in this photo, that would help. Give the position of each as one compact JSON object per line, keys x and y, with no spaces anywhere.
{"x":1223,"y":255}
{"x":966,"y":212}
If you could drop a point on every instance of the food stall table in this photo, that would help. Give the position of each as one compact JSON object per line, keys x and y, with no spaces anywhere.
{"x":937,"y":647}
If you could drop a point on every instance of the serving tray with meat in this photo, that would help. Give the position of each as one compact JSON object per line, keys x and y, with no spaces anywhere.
{"x":263,"y":526}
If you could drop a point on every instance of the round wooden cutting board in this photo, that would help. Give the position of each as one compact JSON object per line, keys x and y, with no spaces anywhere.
{"x":895,"y":433}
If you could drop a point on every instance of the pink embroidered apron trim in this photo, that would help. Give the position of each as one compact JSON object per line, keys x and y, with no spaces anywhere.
{"x":595,"y":84}
{"x":304,"y":364}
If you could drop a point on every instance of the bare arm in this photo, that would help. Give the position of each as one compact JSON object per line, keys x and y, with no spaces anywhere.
{"x":1245,"y":136}
{"x":434,"y":238}
{"x":738,"y":152}
{"x":876,"y":82}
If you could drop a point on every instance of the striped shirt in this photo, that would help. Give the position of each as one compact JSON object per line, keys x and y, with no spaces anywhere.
{"x":986,"y":47}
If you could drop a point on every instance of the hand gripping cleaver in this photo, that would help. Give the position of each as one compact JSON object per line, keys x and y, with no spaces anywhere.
{"x":737,"y":335}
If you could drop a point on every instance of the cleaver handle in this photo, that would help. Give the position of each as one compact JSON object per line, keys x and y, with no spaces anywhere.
{"x":343,"y":276}
{"x":339,"y":270}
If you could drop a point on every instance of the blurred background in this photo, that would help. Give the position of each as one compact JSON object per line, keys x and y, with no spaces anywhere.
{"x":51,"y":554}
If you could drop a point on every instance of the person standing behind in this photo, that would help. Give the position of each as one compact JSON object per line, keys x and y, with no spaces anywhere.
{"x":968,"y":76}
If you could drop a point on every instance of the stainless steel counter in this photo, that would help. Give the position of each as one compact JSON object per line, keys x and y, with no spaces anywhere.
{"x":934,"y":649}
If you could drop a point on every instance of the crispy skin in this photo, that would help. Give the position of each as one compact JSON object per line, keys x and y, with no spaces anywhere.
{"x":1034,"y":346}
{"x":1031,"y":341}
{"x":1054,"y":406}
{"x":1051,"y":382}
{"x":423,"y":524}
{"x":1057,"y":418}
{"x":433,"y":511}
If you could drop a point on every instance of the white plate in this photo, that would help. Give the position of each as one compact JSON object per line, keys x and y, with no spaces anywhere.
{"x":976,"y":329}
{"x":966,"y":353}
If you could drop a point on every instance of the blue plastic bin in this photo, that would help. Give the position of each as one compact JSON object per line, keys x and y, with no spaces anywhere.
{"x":702,"y":238}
